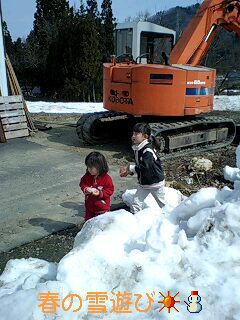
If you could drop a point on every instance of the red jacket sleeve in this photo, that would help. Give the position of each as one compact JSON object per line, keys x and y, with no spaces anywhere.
{"x":84,"y":183}
{"x":108,"y":188}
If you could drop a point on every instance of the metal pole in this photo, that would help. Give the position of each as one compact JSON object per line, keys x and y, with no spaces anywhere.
{"x":3,"y":70}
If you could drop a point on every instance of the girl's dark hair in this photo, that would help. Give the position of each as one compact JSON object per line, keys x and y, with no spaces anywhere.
{"x":97,"y":160}
{"x":145,"y":128}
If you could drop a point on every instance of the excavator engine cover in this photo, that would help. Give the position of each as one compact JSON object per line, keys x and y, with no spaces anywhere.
{"x":158,"y":90}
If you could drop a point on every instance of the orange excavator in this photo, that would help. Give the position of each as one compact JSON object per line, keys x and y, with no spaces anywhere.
{"x":174,"y":97}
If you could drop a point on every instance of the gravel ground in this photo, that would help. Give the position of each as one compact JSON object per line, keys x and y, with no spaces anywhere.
{"x":62,"y":135}
{"x":51,"y":248}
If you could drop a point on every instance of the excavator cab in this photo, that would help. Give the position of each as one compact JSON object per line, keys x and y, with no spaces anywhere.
{"x":143,"y":42}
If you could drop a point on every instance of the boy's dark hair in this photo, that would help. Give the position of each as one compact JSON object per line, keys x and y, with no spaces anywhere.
{"x":145,"y":128}
{"x":97,"y":160}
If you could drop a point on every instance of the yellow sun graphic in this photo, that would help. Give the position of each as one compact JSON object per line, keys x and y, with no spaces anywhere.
{"x":168,"y":302}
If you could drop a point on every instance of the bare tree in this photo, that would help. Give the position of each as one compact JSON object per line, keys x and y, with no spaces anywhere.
{"x":128,"y":19}
{"x":142,"y":16}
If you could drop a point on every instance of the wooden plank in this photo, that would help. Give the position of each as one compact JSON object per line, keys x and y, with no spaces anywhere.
{"x":17,"y":90}
{"x":13,"y":76}
{"x":10,"y":106}
{"x":11,"y":99}
{"x":10,"y":81}
{"x":17,"y":134}
{"x":15,"y":126}
{"x":2,"y":134}
{"x":14,"y":120}
{"x":29,"y":118}
{"x":14,"y":113}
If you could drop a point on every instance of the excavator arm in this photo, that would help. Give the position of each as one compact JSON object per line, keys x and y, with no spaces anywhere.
{"x":198,"y":36}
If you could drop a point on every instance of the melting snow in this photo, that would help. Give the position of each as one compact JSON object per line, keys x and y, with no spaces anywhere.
{"x":221,"y":103}
{"x":191,"y":244}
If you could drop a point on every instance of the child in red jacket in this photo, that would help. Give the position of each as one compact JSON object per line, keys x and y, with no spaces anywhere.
{"x":97,"y":185}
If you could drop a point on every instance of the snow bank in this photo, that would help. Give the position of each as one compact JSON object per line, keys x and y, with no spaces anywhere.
{"x":225,"y":103}
{"x":64,"y":107}
{"x":221,"y":103}
{"x":25,"y":274}
{"x":191,"y":244}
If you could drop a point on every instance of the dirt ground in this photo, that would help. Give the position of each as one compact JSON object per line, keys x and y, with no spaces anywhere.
{"x":62,"y":135}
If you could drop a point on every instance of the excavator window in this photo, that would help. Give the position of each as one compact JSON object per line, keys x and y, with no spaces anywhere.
{"x":124,"y":41}
{"x":154,"y":44}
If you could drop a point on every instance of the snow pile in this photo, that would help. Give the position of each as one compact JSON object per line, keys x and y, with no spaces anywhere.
{"x":221,"y":103}
{"x":191,"y":244}
{"x":225,"y":103}
{"x":64,"y":107}
{"x":25,"y":274}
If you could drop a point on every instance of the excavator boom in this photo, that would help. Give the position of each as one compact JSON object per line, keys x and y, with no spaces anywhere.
{"x":197,"y":37}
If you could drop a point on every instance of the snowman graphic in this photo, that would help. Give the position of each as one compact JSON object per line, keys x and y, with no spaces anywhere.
{"x":194,"y":305}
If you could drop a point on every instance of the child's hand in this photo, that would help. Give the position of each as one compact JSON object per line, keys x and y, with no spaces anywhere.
{"x":88,"y":190}
{"x":91,"y":190}
{"x":96,"y":192}
{"x":124,"y":171}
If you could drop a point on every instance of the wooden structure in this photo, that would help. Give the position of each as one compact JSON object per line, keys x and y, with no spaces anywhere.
{"x":15,"y":118}
{"x":16,"y":90}
{"x":2,"y":134}
{"x":14,"y":121}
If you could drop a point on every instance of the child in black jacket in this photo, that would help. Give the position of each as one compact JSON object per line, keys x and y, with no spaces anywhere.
{"x":147,"y":166}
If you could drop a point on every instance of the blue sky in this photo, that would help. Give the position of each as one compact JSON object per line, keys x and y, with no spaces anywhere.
{"x":19,"y":13}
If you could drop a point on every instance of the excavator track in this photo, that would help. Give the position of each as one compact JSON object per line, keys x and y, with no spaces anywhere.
{"x":101,"y":127}
{"x":198,"y":134}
